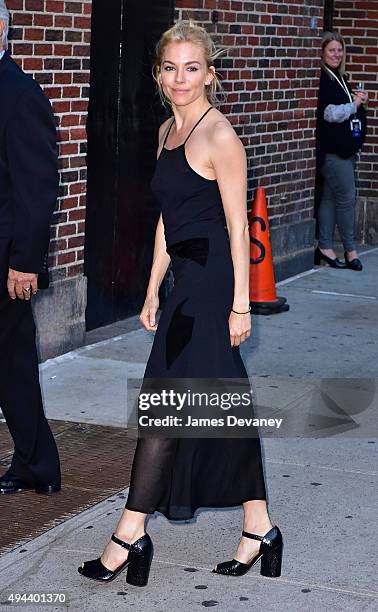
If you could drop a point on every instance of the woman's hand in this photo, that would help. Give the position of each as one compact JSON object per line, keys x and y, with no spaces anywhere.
{"x":240,"y":327}
{"x":360,"y":97}
{"x":148,"y":313}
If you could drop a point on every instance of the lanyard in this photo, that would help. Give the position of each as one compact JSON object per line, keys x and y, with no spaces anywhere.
{"x":341,"y":83}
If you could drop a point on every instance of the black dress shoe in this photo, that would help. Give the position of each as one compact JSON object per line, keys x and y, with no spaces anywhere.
{"x":47,"y":489}
{"x":270,"y":553}
{"x":10,"y":484}
{"x":354,"y":264}
{"x":334,"y":263}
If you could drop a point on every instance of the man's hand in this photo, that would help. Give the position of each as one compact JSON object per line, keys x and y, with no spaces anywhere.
{"x":21,"y":284}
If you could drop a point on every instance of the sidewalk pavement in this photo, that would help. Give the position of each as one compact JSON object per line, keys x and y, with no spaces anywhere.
{"x":322,"y":356}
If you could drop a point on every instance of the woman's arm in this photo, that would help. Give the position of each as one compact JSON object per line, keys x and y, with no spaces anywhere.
{"x":337,"y":113}
{"x":159,"y":267}
{"x":230,"y":165}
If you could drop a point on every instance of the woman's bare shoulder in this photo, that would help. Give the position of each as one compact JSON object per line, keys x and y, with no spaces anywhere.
{"x":221,"y":131}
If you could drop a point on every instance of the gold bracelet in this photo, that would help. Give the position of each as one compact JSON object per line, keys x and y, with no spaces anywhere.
{"x":236,"y":312}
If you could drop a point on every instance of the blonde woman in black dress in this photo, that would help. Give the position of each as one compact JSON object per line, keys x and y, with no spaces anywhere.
{"x":201,"y":182}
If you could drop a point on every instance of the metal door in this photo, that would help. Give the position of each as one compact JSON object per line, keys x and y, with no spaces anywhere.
{"x":123,"y":120}
{"x":328,"y":15}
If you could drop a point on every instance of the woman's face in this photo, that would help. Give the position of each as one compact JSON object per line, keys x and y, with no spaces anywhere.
{"x":184,"y":73}
{"x":333,"y":54}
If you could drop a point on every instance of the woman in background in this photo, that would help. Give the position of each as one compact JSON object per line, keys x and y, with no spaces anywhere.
{"x":340,"y":132}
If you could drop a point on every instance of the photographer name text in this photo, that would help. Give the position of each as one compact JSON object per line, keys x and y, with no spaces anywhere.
{"x":229,"y":421}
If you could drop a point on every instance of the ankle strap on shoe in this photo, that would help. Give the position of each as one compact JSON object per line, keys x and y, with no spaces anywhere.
{"x":252,"y":536}
{"x":120,"y":542}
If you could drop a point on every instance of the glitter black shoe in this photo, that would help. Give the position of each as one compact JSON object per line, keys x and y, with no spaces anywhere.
{"x":138,"y":563}
{"x":270,"y":554}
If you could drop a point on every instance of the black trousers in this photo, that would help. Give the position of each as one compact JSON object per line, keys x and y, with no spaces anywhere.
{"x":35,"y":457}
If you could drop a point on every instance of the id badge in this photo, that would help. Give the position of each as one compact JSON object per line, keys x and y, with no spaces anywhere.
{"x":355,"y":126}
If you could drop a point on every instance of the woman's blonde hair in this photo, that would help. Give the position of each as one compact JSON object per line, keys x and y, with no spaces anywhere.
{"x":189,"y":31}
{"x":329,"y":37}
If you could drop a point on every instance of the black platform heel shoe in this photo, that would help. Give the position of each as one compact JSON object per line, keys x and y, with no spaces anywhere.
{"x":138,"y":563}
{"x":334,"y":263}
{"x":353,"y":264}
{"x":270,"y":554}
{"x":139,"y":568}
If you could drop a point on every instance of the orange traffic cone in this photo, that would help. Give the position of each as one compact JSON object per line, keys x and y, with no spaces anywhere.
{"x":262,"y":292}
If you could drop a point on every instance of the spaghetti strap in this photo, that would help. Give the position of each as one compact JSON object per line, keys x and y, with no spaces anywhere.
{"x":191,"y":131}
{"x":168,"y":130}
{"x":194,"y":127}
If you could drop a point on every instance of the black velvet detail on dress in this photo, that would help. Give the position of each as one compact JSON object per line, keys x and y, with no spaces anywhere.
{"x":196,"y":249}
{"x":179,"y":334}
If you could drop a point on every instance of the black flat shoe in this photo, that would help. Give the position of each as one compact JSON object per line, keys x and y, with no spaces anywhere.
{"x":354,"y":264}
{"x":334,"y":263}
{"x":138,"y":563}
{"x":270,"y":554}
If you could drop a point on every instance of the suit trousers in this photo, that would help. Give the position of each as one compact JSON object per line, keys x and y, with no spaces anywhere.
{"x":35,"y":457}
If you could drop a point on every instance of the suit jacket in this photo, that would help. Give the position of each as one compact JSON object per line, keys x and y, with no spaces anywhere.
{"x":28,"y":168}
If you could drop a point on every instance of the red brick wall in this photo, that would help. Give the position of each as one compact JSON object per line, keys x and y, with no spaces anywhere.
{"x":357,"y":21}
{"x":271,"y":79}
{"x":50,"y":39}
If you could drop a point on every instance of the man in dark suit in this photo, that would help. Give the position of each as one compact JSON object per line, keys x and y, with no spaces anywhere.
{"x":28,"y":193}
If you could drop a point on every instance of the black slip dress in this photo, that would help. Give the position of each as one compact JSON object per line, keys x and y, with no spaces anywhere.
{"x":176,"y":476}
